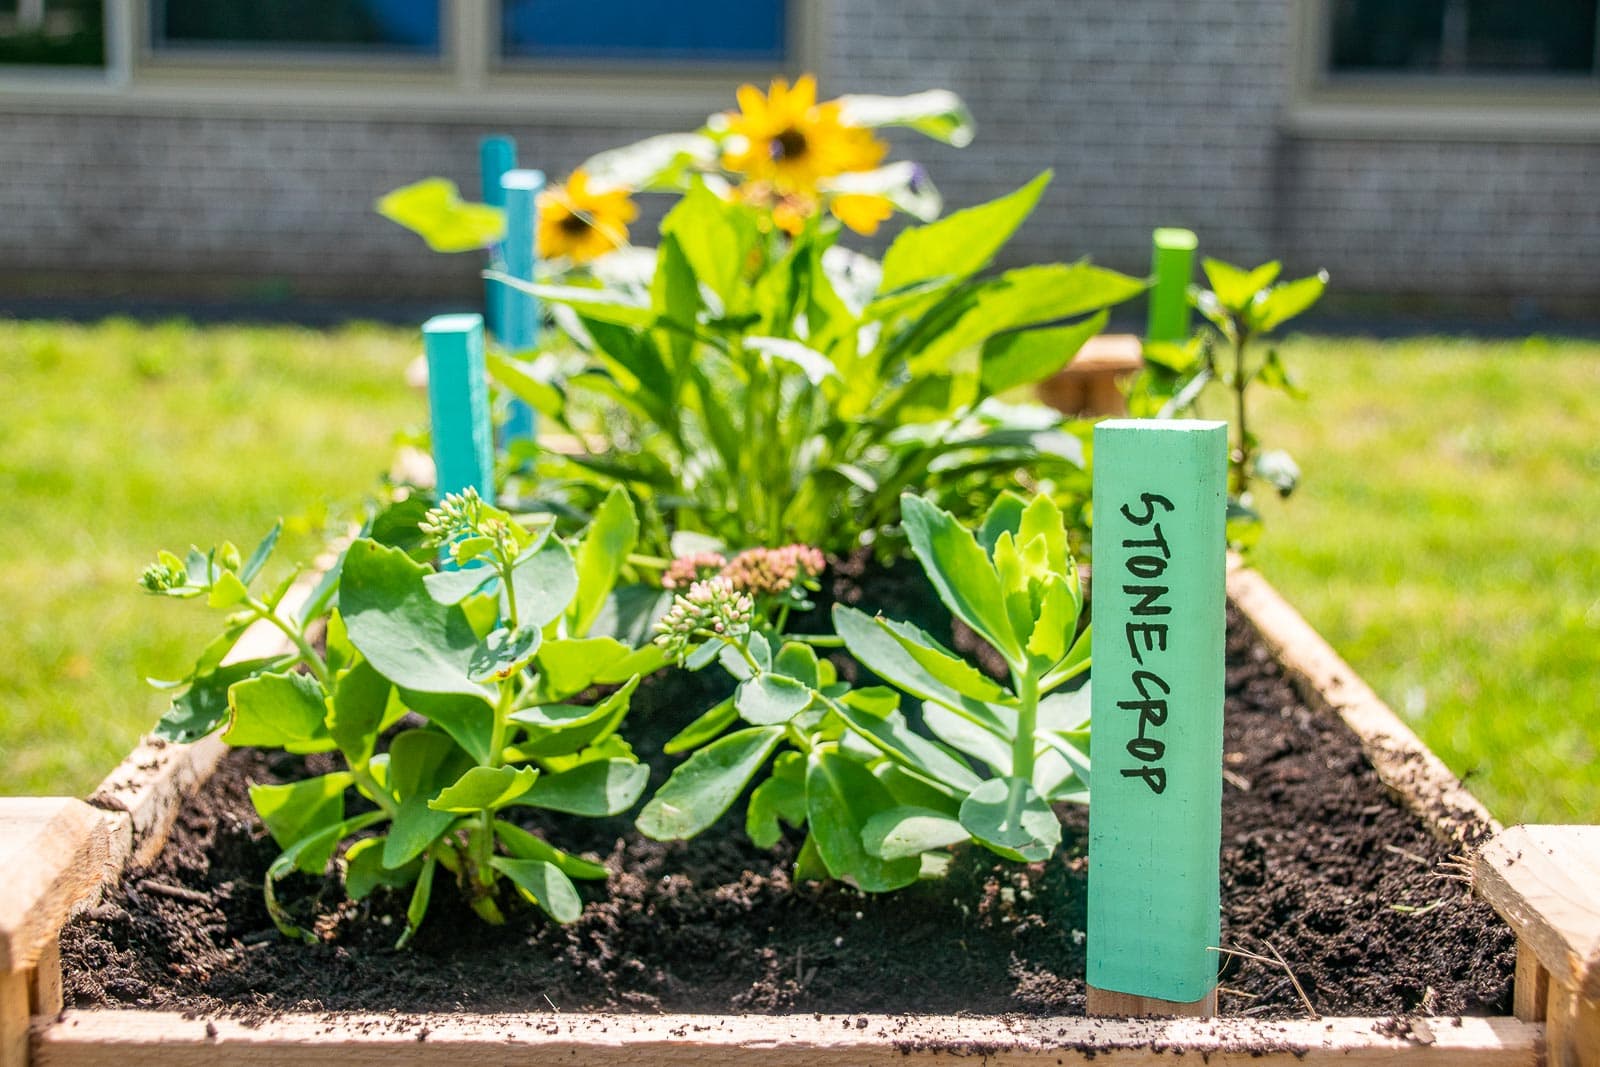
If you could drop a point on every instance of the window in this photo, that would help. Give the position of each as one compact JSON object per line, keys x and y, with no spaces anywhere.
{"x":55,"y":33}
{"x":405,"y":27}
{"x":1464,"y":37}
{"x":630,"y":30}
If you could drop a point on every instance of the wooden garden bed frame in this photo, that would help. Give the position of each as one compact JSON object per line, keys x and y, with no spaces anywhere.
{"x":57,"y":854}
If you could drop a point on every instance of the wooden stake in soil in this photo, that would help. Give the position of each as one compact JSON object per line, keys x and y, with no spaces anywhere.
{"x":1172,"y":262}
{"x":496,"y":155}
{"x":1155,"y":808}
{"x":520,"y":330}
{"x":458,"y":404}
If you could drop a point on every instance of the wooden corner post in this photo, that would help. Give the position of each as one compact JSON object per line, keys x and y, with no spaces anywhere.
{"x":1155,"y":807}
{"x":458,"y":405}
{"x":1545,"y":882}
{"x":520,"y":330}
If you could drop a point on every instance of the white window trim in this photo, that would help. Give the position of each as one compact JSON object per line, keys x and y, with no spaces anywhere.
{"x":1551,"y":108}
{"x":465,"y":83}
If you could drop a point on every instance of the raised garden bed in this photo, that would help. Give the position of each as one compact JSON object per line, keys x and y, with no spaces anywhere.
{"x":141,"y":801}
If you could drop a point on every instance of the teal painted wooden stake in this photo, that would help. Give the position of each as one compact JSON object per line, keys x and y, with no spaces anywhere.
{"x":1172,"y":263}
{"x":520,"y":330}
{"x":1155,"y":802}
{"x":496,"y":155}
{"x":458,"y":404}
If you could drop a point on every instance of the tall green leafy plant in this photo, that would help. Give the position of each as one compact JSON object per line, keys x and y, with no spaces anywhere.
{"x":489,"y":655}
{"x":769,"y":388}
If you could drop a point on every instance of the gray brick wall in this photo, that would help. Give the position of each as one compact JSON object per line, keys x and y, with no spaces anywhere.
{"x":1151,"y":112}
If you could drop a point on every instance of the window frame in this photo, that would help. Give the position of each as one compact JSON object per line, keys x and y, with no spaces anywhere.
{"x":464,"y":82}
{"x":1484,"y":106}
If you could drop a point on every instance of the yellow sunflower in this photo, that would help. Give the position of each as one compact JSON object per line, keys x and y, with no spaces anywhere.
{"x":787,"y":138}
{"x":862,"y":212}
{"x":582,"y":224}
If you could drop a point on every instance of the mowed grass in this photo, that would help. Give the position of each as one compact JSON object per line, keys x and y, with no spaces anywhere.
{"x":119,"y":439}
{"x":1444,"y":539}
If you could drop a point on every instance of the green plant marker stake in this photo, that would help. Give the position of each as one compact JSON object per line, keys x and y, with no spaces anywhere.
{"x":520,"y":330}
{"x":1172,"y":263}
{"x":496,"y":155}
{"x":458,"y":405}
{"x":1155,"y":818}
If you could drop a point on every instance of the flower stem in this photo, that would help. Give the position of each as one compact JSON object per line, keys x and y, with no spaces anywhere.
{"x":1022,"y":746}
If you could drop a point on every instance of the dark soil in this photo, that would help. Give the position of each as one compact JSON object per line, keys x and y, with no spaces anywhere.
{"x":1320,"y":865}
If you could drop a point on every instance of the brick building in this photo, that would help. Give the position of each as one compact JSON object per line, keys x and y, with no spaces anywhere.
{"x":1437,"y":153}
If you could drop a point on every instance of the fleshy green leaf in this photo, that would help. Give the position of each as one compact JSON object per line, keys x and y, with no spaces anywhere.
{"x":364,"y":870}
{"x":203,"y":707}
{"x":433,"y":209}
{"x":842,"y":796}
{"x":545,"y":885}
{"x":901,"y":833}
{"x":503,"y":654}
{"x":781,"y":797}
{"x":545,"y":579}
{"x":262,"y":553}
{"x":603,"y":787}
{"x":707,"y":726}
{"x":768,"y":699}
{"x":1236,"y":288}
{"x":1284,"y":302}
{"x":1008,"y":817}
{"x":910,"y":750}
{"x":610,"y":536}
{"x":562,"y":729}
{"x":485,"y":789}
{"x":707,"y":783}
{"x":421,"y":764}
{"x":523,"y":845}
{"x":300,"y":809}
{"x":960,"y":571}
{"x":407,"y":636}
{"x":941,"y":664}
{"x":279,"y":711}
{"x":714,"y":235}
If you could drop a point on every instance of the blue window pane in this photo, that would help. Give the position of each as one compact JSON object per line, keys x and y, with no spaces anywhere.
{"x":410,"y":26}
{"x":742,"y":30}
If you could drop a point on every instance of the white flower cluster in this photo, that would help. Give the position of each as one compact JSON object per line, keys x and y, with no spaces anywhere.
{"x":711,"y":608}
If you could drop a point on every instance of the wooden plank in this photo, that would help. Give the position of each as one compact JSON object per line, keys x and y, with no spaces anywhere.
{"x":1418,"y":777}
{"x":1530,"y":987}
{"x":143,"y":794}
{"x":1545,"y":882}
{"x":1088,"y":385}
{"x":13,"y":1019}
{"x":158,"y":1039}
{"x":54,"y":855}
{"x":1127,"y":1006}
{"x":1572,"y":1032}
{"x":44,"y":981}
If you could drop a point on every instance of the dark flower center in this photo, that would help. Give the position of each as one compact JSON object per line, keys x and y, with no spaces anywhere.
{"x":790,"y":144}
{"x":574,"y":225}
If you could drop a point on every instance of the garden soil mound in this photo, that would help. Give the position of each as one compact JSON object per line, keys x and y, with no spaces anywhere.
{"x":1320,"y":866}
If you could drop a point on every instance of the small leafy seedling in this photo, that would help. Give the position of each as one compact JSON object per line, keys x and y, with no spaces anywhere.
{"x":490,"y":653}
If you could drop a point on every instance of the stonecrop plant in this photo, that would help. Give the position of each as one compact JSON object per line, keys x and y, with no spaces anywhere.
{"x":448,"y":693}
{"x":1242,"y":308}
{"x":759,"y":382}
{"x":882,"y":801}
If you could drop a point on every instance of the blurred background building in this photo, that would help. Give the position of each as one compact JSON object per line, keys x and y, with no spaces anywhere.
{"x":1433,"y":155}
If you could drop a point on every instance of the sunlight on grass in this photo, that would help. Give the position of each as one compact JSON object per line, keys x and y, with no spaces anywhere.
{"x":119,"y":439}
{"x":1443,"y":540}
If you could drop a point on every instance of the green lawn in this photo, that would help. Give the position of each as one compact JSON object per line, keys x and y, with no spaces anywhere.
{"x":120,"y":439}
{"x":1442,"y":538}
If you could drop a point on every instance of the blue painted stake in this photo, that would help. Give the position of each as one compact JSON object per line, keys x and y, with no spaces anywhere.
{"x":519,"y":331}
{"x":458,"y":404}
{"x":1155,"y":803}
{"x":496,"y":155}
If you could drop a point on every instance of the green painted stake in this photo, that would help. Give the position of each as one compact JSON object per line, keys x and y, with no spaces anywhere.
{"x":1155,"y":802}
{"x":458,"y":405}
{"x":1172,"y":263}
{"x":496,"y":155}
{"x":520,"y":329}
